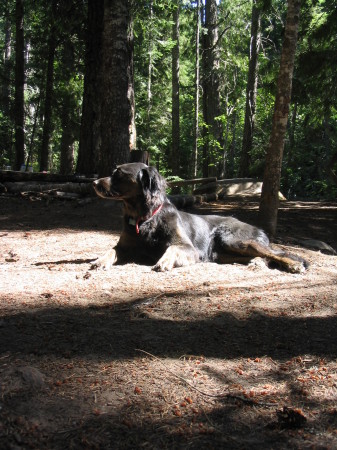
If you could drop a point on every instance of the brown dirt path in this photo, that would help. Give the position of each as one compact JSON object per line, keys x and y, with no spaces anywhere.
{"x":207,"y":356}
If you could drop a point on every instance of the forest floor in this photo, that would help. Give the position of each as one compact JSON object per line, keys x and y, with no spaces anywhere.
{"x":206,"y":356}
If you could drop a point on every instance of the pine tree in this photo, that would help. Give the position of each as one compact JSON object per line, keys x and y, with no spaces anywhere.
{"x":19,"y":86}
{"x":251,"y":91}
{"x":175,"y":93}
{"x":271,"y":179}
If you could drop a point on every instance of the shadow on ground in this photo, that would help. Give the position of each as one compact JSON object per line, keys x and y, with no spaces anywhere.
{"x":117,"y":330}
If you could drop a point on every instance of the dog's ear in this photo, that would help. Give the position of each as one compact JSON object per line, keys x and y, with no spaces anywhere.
{"x":150,"y":180}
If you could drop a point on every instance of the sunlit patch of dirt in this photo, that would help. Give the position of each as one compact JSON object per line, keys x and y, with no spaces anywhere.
{"x":205,"y":356}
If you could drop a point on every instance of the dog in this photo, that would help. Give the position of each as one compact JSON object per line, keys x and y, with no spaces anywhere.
{"x":155,"y":232}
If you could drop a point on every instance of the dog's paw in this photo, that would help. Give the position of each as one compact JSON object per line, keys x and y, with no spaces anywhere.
{"x":176,"y":256}
{"x":297,"y":267}
{"x":257,"y":263}
{"x":289,"y":264}
{"x":105,"y":262}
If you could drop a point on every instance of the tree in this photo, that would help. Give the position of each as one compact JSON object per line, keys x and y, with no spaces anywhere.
{"x":213,"y":130}
{"x":19,"y":86}
{"x":84,"y":81}
{"x":90,"y":135}
{"x":108,"y":120}
{"x":118,"y":106}
{"x":251,"y":91}
{"x":271,"y":180}
{"x":197,"y":91}
{"x":68,"y":126}
{"x":150,"y":69}
{"x":5,"y":125}
{"x":52,"y":42}
{"x":175,"y":92}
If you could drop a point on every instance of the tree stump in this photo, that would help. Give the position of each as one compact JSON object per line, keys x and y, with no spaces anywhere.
{"x":140,"y":156}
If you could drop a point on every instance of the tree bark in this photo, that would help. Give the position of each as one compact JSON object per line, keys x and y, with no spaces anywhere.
{"x":331,"y":168}
{"x":30,"y":150}
{"x":271,"y":180}
{"x":117,"y":125}
{"x":149,"y":75}
{"x":5,"y":132}
{"x":90,"y":133}
{"x":44,"y":153}
{"x":213,"y":130}
{"x":19,"y":87}
{"x":68,"y":127}
{"x":175,"y":92}
{"x":332,"y":158}
{"x":290,"y":154}
{"x":197,"y":91}
{"x":251,"y":91}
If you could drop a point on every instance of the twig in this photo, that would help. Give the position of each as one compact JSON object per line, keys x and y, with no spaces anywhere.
{"x":148,"y":301}
{"x":218,"y":396}
{"x":178,"y":376}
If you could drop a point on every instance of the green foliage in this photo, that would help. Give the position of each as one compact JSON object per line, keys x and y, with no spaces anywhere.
{"x":312,"y":138}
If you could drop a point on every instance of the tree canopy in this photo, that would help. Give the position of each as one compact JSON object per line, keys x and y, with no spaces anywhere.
{"x":61,"y":39}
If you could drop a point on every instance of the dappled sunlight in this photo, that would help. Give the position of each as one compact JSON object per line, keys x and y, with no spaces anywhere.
{"x":190,"y":355}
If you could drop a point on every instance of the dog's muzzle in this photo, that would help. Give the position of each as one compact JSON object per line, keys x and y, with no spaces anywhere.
{"x":103,"y":188}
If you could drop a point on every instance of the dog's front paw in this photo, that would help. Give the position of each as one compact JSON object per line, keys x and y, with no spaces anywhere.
{"x":176,"y":256}
{"x":297,"y":267}
{"x":106,"y":261}
{"x":163,"y":265}
{"x":290,"y":263}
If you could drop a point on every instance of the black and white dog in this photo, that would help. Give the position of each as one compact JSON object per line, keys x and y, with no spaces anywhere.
{"x":156,"y":232}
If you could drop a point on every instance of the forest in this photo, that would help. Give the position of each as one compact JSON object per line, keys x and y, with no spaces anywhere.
{"x":227,"y":356}
{"x":193,"y":83}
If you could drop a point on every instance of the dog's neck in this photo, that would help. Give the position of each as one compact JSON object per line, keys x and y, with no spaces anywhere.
{"x":140,"y":207}
{"x":145,"y":218}
{"x":134,"y":216}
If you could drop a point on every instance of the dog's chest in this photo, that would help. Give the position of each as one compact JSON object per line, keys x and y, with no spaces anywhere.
{"x":149,"y":233}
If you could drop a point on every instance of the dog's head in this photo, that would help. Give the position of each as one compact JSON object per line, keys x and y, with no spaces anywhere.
{"x":131,"y":182}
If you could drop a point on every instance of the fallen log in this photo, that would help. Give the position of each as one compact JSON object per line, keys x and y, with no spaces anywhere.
{"x":78,"y":188}
{"x":12,"y":175}
{"x":213,"y":186}
{"x":192,"y":181}
{"x":181,"y":201}
{"x":66,"y":195}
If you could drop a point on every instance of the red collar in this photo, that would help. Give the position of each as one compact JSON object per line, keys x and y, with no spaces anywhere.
{"x":143,"y":219}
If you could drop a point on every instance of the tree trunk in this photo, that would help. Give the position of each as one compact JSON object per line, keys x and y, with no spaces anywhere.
{"x":332,"y":158}
{"x":149,"y":76}
{"x":90,"y":133}
{"x":117,"y":125}
{"x":44,"y":153}
{"x":32,"y":137}
{"x":213,"y":132}
{"x":175,"y":92}
{"x":232,"y":147}
{"x":251,"y":91}
{"x":290,"y":154}
{"x":197,"y":91}
{"x":5,"y":131}
{"x":19,"y":87}
{"x":331,"y":168}
{"x":140,"y":156}
{"x":68,"y":127}
{"x":271,"y":179}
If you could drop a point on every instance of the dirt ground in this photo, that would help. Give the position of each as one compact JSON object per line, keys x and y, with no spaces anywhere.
{"x":207,"y":356}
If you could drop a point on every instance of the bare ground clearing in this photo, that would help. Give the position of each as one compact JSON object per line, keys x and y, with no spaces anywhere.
{"x":202,"y":357}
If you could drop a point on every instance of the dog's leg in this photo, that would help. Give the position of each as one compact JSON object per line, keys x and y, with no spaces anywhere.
{"x":177,"y":256}
{"x":105,"y":262}
{"x":291,"y":263}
